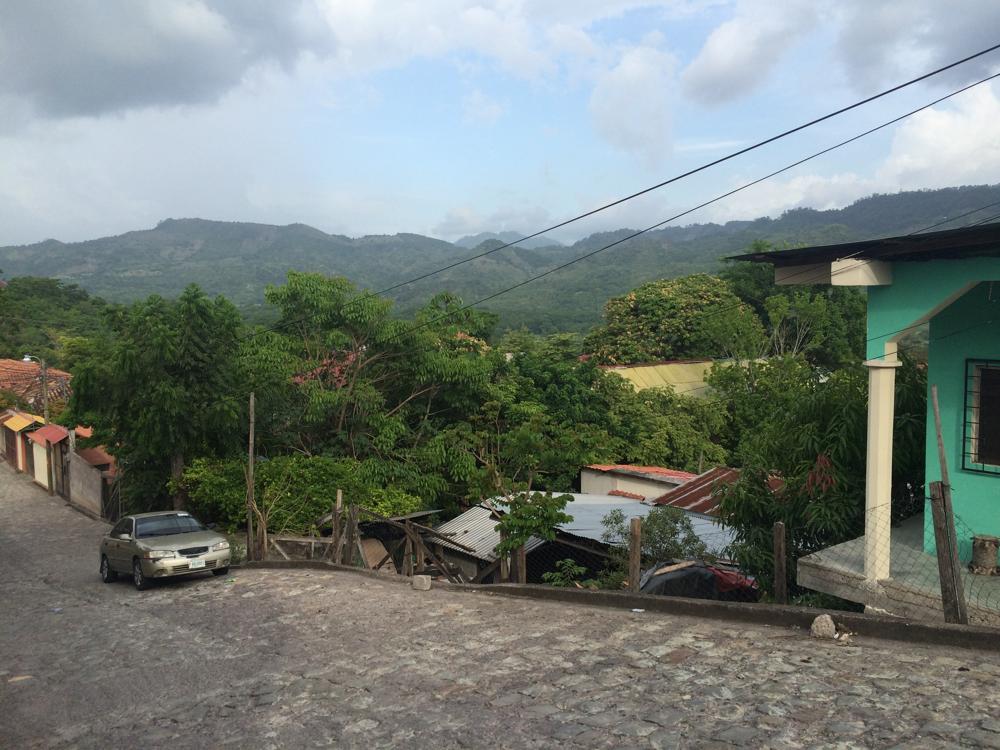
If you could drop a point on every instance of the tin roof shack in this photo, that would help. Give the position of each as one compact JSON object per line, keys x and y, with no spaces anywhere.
{"x":16,"y":446}
{"x":636,"y":482}
{"x":946,"y":280}
{"x":476,"y":529}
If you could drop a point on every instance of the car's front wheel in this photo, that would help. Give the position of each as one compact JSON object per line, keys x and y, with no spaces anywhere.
{"x":107,"y":574}
{"x":221,"y":571}
{"x":138,"y":577}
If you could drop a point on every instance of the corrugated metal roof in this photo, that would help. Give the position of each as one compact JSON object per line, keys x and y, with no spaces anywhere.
{"x":696,"y":495}
{"x":646,"y":472}
{"x":20,"y":420}
{"x":50,"y":433}
{"x":476,"y":528}
{"x":684,"y":377}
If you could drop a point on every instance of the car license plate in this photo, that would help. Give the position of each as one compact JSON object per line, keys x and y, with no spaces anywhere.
{"x":195,"y":564}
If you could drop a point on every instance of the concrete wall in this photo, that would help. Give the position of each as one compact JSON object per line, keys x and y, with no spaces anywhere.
{"x":85,"y":485}
{"x":41,"y":464}
{"x":955,"y":337}
{"x":601,"y":483}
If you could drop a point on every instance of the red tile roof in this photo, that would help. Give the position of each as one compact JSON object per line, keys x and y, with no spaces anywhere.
{"x":623,"y":493}
{"x":24,"y":380}
{"x":50,"y":433}
{"x":84,"y":432}
{"x":696,"y":495}
{"x":653,"y":472}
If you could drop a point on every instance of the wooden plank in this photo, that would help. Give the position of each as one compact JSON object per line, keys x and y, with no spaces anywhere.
{"x":675,"y":566}
{"x":274,"y":543}
{"x":423,"y":529}
{"x":352,"y":535}
{"x":408,"y":556}
{"x":421,"y":562}
{"x":949,"y":596}
{"x":437,"y":561}
{"x":634,"y":553}
{"x":780,"y":564}
{"x":949,"y":518}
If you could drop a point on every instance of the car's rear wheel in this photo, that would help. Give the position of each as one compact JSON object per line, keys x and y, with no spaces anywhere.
{"x":107,"y":574}
{"x":138,"y":577}
{"x":221,"y":571}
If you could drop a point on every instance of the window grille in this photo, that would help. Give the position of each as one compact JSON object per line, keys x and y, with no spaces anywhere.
{"x":981,"y":439}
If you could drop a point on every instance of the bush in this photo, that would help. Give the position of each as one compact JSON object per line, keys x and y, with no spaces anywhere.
{"x":295,"y":491}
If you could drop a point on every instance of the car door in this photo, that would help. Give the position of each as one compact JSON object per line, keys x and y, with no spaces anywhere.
{"x":120,"y":550}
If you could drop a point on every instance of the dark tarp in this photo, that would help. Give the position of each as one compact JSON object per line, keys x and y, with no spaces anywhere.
{"x":698,"y":580}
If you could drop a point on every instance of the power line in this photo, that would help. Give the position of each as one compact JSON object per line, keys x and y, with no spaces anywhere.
{"x":955,"y":218}
{"x":720,"y":197}
{"x":678,"y":177}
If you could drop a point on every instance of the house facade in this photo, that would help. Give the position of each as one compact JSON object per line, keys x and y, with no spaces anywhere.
{"x":947,"y":281}
{"x":636,"y":482}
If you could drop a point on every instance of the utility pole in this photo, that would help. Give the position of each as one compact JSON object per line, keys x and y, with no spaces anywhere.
{"x":250,"y":485}
{"x":45,"y":415}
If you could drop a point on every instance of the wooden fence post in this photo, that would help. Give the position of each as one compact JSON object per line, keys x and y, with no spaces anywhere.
{"x":504,"y":563}
{"x":951,"y":583}
{"x":408,"y":553}
{"x":780,"y":564}
{"x":634,"y":553}
{"x":522,"y":564}
{"x":335,"y":524}
{"x":418,"y":550}
{"x":948,"y":530}
{"x":351,"y":535}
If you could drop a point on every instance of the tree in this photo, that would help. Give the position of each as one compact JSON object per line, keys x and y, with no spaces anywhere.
{"x":530,"y":514}
{"x":161,"y":387}
{"x":667,"y":534}
{"x":666,"y":320}
{"x":811,"y":439}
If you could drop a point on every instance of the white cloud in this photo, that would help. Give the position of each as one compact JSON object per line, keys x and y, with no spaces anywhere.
{"x":630,"y":103}
{"x":942,"y":147}
{"x":479,"y":108}
{"x":740,"y":52}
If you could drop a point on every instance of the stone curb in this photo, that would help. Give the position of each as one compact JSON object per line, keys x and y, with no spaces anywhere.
{"x":869,"y":626}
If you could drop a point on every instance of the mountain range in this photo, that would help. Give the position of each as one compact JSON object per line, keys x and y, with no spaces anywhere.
{"x":239,"y":259}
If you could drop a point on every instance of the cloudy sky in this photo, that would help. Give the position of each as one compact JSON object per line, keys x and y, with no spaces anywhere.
{"x":448,"y":117}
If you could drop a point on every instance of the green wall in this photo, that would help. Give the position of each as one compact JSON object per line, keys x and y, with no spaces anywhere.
{"x":963,"y":330}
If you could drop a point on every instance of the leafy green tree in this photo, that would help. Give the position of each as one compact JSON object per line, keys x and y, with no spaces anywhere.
{"x":529,"y":514}
{"x":160,"y":388}
{"x":812,"y":441}
{"x":667,"y":319}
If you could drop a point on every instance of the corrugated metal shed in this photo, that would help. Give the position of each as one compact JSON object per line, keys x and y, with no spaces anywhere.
{"x":696,"y":495}
{"x":476,"y":528}
{"x":685,"y":377}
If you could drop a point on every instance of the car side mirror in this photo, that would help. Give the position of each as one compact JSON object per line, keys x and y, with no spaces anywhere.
{"x":125,"y":537}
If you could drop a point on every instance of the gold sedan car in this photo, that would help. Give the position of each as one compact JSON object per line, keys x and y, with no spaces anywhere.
{"x":148,"y":546}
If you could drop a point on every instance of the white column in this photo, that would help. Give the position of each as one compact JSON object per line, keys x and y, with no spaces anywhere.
{"x":878,"y":475}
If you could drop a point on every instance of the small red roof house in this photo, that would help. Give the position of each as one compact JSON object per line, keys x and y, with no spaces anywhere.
{"x":626,"y":480}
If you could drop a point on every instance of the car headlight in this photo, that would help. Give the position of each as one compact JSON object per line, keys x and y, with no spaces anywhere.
{"x":220,"y":546}
{"x":157,"y":554}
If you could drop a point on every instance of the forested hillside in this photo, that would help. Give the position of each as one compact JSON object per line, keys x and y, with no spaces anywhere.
{"x":240,"y":259}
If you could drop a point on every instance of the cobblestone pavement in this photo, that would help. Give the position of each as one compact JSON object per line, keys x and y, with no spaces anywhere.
{"x":304,"y":659}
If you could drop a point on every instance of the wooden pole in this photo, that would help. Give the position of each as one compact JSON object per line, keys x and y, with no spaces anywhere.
{"x":504,"y":563}
{"x":335,"y":525}
{"x":949,"y":594}
{"x":955,"y":573}
{"x":408,"y":554}
{"x":780,"y":564}
{"x":634,"y":553}
{"x":352,"y":535}
{"x":251,"y":503}
{"x":522,"y":564}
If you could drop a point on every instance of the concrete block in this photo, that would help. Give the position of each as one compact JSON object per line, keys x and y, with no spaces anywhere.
{"x":422,"y":583}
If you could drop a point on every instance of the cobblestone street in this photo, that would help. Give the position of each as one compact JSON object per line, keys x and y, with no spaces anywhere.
{"x":312,"y":659}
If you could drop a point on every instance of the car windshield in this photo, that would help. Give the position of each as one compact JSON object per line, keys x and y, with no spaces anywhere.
{"x":166,"y":525}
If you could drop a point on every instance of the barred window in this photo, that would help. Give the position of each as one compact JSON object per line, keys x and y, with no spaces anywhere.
{"x":982,"y":416}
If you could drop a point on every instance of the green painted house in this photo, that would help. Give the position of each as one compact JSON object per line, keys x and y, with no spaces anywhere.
{"x":950,"y":281}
